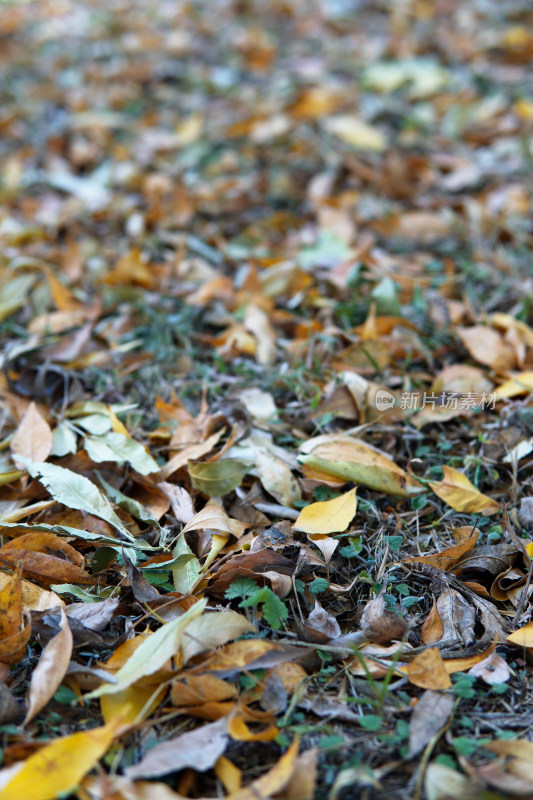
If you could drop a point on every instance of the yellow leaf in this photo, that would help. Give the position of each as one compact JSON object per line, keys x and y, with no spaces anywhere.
{"x":456,"y":490}
{"x":330,"y":516}
{"x":239,"y":730}
{"x":136,"y":703}
{"x":58,"y":767}
{"x":523,"y":636}
{"x":521,"y":383}
{"x":228,"y":774}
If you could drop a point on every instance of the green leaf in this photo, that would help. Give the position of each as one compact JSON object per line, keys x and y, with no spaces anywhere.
{"x":152,"y":653}
{"x":97,"y":424}
{"x":82,"y":594}
{"x":353,"y":549}
{"x":76,"y":491}
{"x":63,"y":440}
{"x":188,"y":570}
{"x":395,"y":542}
{"x":217,"y":478}
{"x":274,"y":610}
{"x":465,"y":746}
{"x":118,"y":447}
{"x":241,"y":587}
{"x":65,"y":696}
{"x":130,"y":505}
{"x":370,"y":722}
{"x":386,"y":296}
{"x":79,"y":533}
{"x":318,"y":585}
{"x":376,"y":477}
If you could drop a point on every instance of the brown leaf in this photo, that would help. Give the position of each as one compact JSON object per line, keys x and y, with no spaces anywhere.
{"x":430,"y":714}
{"x":381,"y":625}
{"x":428,"y":671}
{"x":45,"y":543}
{"x":250,"y":565}
{"x":15,"y":624}
{"x":51,"y":669}
{"x":488,"y":347}
{"x":194,"y":690}
{"x":448,"y":558}
{"x":322,"y":623}
{"x":10,"y":711}
{"x":198,"y":749}
{"x":45,"y":569}
{"x":432,"y":629}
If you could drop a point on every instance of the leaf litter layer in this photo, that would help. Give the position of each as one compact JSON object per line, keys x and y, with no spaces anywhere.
{"x":266,"y":427}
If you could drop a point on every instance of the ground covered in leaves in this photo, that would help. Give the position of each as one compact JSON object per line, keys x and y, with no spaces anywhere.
{"x":266,"y":410}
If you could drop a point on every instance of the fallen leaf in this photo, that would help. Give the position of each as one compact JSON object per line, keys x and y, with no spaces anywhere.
{"x":276,"y":477}
{"x":381,"y":625}
{"x":76,"y":491}
{"x":51,"y":669}
{"x":213,"y":516}
{"x":59,"y":766}
{"x":444,"y":783}
{"x":189,"y":454}
{"x":133,"y":704}
{"x":430,"y":715}
{"x":356,"y":132}
{"x":330,"y":516}
{"x":353,"y":460}
{"x":194,"y":690}
{"x":228,"y":774}
{"x":33,"y":438}
{"x":152,"y":653}
{"x":211,"y":630}
{"x":493,"y":669}
{"x":427,"y":670}
{"x":520,"y":383}
{"x":522,"y":636}
{"x":321,"y":622}
{"x":216,"y":478}
{"x":15,"y":625}
{"x":198,"y":749}
{"x":432,"y":629}
{"x":461,"y":494}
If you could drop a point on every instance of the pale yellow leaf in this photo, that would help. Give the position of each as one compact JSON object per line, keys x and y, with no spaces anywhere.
{"x":356,"y":132}
{"x":32,"y":439}
{"x":213,"y":516}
